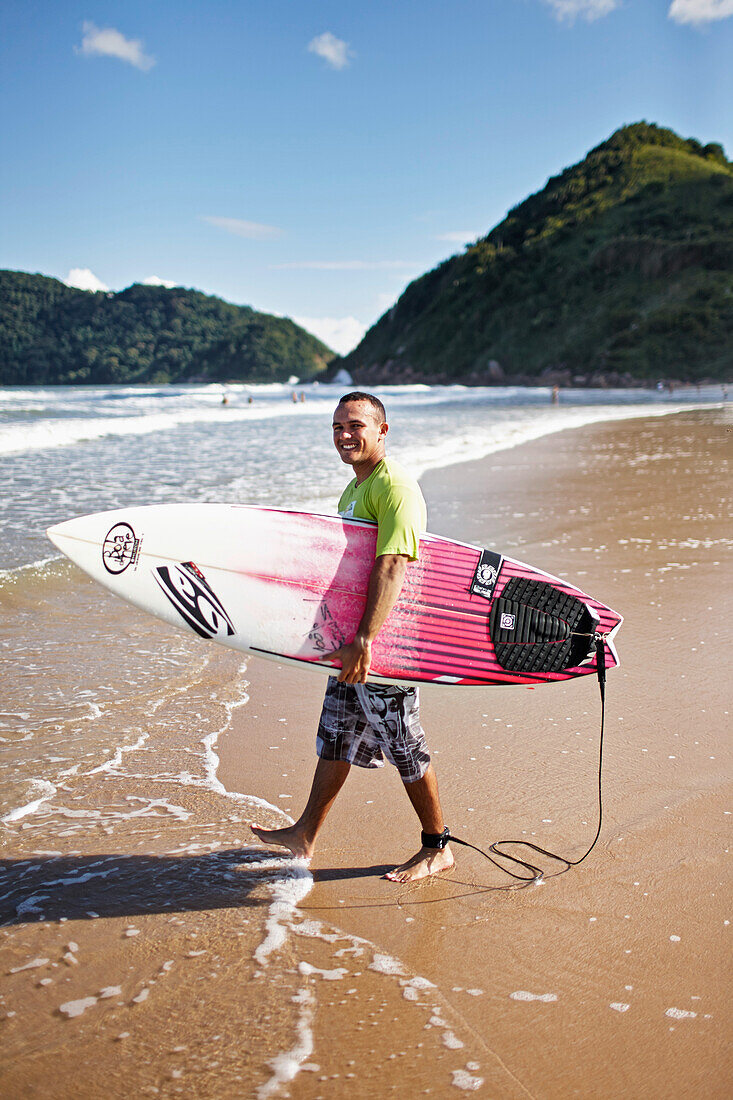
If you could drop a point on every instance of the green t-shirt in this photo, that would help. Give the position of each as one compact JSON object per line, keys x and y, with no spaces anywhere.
{"x":391,"y":497}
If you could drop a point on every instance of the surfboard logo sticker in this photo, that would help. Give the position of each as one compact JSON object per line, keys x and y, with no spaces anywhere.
{"x":486,"y":575}
{"x":194,"y":599}
{"x":508,"y":622}
{"x":120,"y":549}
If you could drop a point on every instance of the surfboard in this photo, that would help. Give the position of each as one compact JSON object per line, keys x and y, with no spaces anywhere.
{"x":291,"y":586}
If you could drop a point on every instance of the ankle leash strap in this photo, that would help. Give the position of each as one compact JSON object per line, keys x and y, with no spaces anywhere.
{"x":436,"y":840}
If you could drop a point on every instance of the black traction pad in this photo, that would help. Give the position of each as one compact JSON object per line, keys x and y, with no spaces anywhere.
{"x":536,"y":627}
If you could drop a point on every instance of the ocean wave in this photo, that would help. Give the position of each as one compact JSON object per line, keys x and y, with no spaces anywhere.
{"x":52,"y":418}
{"x":52,"y":433}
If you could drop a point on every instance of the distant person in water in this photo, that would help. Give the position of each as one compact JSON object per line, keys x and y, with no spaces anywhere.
{"x":362,"y":723}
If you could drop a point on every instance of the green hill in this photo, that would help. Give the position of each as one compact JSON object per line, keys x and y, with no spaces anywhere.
{"x":51,"y":333}
{"x":620,"y":268}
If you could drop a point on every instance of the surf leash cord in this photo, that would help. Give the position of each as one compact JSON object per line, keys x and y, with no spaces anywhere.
{"x":536,"y":874}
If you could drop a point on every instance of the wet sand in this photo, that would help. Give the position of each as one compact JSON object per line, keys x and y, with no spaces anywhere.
{"x":607,"y":981}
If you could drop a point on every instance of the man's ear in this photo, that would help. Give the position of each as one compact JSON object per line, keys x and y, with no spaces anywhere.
{"x":383,"y":429}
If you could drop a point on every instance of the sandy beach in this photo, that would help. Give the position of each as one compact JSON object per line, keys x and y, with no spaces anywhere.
{"x":609,"y":981}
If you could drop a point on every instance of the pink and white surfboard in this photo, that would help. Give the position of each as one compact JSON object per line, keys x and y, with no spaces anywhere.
{"x":291,"y":586}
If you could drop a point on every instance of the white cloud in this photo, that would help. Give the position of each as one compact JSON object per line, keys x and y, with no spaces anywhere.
{"x":153,"y":280}
{"x":343,"y":265}
{"x":698,"y":12}
{"x":81,"y":278}
{"x":588,"y":9}
{"x":251,"y":230}
{"x":340,"y":333}
{"x":457,"y":237}
{"x":109,"y":42}
{"x":332,"y":49}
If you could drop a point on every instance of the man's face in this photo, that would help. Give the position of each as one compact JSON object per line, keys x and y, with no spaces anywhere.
{"x":358,"y":434}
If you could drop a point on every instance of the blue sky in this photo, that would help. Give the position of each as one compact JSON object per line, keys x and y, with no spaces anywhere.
{"x":311,"y":158}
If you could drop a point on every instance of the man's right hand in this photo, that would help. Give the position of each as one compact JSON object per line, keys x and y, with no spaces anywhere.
{"x":355,"y":659}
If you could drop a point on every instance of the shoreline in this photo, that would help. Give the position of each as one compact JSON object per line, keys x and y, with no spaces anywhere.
{"x":566,"y":379}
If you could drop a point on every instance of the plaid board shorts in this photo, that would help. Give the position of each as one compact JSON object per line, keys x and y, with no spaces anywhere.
{"x":365,"y":723}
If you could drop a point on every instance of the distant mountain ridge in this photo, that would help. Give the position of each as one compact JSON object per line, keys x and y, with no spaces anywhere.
{"x":51,"y":334}
{"x":620,"y":269}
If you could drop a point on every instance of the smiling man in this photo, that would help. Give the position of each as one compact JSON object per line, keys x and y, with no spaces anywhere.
{"x":362,"y":723}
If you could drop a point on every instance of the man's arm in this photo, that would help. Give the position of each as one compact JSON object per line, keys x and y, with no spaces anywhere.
{"x":385,"y":584}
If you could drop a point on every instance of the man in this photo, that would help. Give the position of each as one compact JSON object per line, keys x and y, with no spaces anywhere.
{"x":360,"y":724}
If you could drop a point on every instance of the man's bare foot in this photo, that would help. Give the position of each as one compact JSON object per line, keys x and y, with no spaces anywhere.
{"x":291,"y":838}
{"x":428,"y":861}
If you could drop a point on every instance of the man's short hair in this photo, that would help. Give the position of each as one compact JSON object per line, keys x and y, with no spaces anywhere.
{"x":376,"y":404}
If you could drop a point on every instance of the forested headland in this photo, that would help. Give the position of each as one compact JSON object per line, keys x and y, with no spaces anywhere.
{"x":619,"y":270}
{"x":51,"y":334}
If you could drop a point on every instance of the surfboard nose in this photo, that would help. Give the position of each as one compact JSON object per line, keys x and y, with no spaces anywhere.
{"x":102,"y":543}
{"x":73,"y":533}
{"x":82,"y":537}
{"x":68,"y":537}
{"x":89,"y":528}
{"x":61,"y":533}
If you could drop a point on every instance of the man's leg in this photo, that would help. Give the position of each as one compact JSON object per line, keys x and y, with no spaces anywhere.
{"x":300,"y":838}
{"x":423,"y":795}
